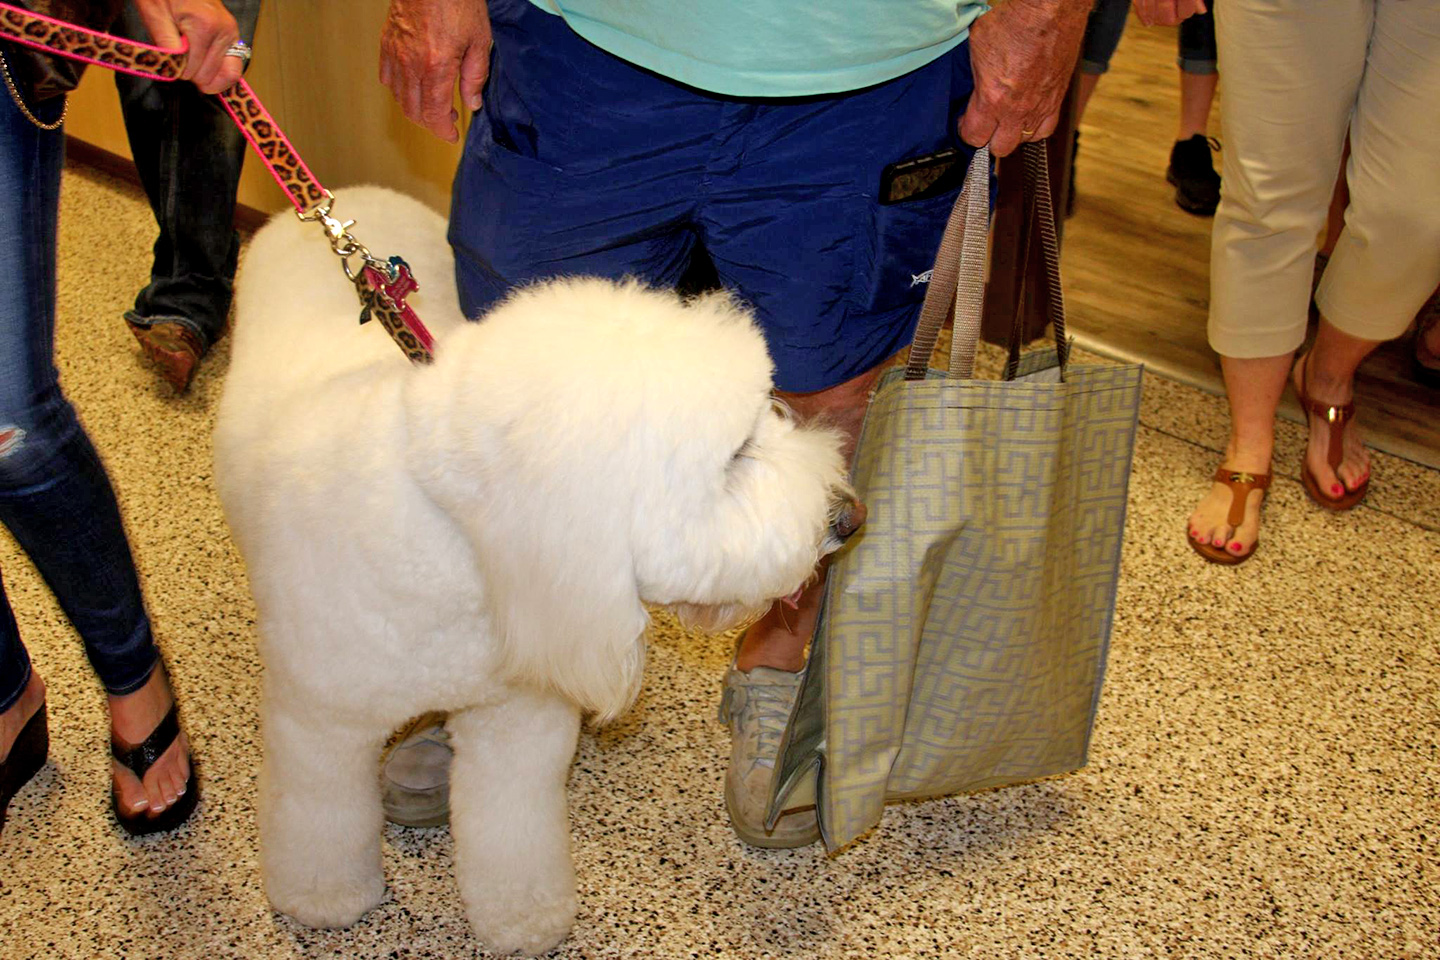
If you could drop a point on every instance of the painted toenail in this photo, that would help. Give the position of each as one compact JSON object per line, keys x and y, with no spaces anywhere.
{"x":1337,"y":489}
{"x":1236,"y":546}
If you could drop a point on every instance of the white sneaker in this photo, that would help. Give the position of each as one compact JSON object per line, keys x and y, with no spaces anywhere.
{"x":757,"y":707}
{"x":415,"y":773}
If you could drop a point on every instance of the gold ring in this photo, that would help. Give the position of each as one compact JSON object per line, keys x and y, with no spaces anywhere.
{"x":1027,"y":133}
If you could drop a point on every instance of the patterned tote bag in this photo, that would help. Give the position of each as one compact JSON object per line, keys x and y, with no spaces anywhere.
{"x":963,"y":637}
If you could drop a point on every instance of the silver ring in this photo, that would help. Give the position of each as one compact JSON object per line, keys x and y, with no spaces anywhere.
{"x":239,"y":49}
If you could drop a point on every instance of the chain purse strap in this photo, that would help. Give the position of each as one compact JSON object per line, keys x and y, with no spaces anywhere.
{"x":381,"y":284}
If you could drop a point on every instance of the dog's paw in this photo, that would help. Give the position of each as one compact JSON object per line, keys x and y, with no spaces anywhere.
{"x":520,"y":921}
{"x":328,"y":906}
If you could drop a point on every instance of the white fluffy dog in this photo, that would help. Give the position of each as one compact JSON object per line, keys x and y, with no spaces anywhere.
{"x":481,"y":536}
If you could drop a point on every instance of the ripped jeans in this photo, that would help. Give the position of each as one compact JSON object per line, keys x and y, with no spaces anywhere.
{"x":55,"y":498}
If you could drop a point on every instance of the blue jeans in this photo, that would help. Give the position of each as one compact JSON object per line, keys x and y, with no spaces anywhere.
{"x":54,"y":495}
{"x":1107,"y":23}
{"x":188,"y":153}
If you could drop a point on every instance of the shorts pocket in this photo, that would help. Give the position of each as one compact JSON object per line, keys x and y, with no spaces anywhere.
{"x":898,"y":251}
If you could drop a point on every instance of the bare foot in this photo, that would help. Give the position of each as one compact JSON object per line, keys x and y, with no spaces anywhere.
{"x":13,"y":720}
{"x":1354,"y":466}
{"x":1210,"y":524}
{"x":133,"y":718}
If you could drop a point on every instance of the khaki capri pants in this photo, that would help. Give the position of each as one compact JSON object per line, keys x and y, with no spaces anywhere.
{"x":1295,"y":76}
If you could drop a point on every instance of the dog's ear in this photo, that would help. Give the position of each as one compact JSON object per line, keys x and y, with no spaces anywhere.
{"x":564,"y":604}
{"x":558,"y":582}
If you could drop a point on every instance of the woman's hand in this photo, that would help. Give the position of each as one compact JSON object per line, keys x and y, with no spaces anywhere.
{"x":207,"y":27}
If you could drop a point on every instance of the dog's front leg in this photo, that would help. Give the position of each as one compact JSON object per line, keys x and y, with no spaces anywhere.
{"x":320,"y":815}
{"x":510,"y":821}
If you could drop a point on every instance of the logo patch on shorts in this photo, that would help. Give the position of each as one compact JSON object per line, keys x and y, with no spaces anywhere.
{"x":918,"y":278}
{"x":10,"y":438}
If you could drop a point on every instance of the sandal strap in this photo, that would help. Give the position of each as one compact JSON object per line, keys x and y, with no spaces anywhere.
{"x":1240,"y":484}
{"x":1335,"y":416}
{"x":138,"y":760}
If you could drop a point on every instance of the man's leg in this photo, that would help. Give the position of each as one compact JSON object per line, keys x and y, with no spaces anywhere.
{"x":189,"y":154}
{"x":778,"y":640}
{"x":837,"y":279}
{"x":1197,"y":185}
{"x":761,"y":686}
{"x":565,"y":171}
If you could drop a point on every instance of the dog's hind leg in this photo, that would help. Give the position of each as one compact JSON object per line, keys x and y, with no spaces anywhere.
{"x":320,"y":815}
{"x":510,"y":820}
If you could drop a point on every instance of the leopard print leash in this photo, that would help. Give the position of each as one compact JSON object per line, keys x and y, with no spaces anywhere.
{"x":382,"y":285}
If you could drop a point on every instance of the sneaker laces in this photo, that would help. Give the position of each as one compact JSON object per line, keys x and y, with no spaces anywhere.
{"x":426,"y":728}
{"x":438,"y":735}
{"x":762,"y":709}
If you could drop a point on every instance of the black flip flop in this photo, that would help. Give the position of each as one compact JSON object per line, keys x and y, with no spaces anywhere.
{"x":138,"y":760}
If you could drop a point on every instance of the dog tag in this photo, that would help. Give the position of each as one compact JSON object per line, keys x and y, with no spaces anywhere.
{"x":384,"y":298}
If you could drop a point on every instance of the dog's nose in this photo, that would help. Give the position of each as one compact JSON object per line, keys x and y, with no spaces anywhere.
{"x":850,"y":518}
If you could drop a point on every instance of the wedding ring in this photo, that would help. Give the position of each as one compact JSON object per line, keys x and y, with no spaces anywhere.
{"x":1027,"y":133}
{"x":239,"y":49}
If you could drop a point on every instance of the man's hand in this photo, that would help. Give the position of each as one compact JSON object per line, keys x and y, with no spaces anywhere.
{"x":429,"y":45}
{"x":1166,"y":13}
{"x":1023,"y":53}
{"x":209,"y":30}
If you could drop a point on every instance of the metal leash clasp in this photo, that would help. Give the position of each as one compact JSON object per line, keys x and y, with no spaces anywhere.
{"x":381,"y":285}
{"x":344,"y":245}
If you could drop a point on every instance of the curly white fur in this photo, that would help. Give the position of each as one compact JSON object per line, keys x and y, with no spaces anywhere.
{"x":481,"y":536}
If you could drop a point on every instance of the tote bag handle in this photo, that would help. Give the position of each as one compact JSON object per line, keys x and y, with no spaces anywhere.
{"x":958,"y":277}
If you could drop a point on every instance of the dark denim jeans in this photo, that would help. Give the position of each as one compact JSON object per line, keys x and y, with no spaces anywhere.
{"x":54,"y":495}
{"x":188,"y":153}
{"x":1196,"y":37}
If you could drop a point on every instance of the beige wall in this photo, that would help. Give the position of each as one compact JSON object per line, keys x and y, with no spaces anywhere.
{"x":315,"y":70}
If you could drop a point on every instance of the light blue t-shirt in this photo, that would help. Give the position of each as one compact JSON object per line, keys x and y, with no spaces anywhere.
{"x":773,"y":48}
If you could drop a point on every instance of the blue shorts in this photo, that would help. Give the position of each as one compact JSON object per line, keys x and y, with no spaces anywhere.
{"x":582,"y":163}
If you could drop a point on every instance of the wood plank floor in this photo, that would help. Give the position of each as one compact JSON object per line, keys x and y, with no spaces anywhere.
{"x":1136,"y":266}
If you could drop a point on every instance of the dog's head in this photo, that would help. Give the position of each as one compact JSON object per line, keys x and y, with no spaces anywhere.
{"x":607,"y":446}
{"x":783,"y":507}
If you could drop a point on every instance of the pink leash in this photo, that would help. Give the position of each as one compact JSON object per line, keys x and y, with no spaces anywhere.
{"x":382,"y":285}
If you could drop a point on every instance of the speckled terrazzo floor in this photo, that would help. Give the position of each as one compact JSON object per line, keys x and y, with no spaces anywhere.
{"x":1264,"y":778}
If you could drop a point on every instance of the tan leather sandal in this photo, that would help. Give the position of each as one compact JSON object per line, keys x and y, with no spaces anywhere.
{"x":1336,"y":417}
{"x":1240,"y":484}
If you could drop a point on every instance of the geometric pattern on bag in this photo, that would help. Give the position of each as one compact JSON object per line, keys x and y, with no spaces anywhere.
{"x":964,"y":631}
{"x":946,"y":670}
